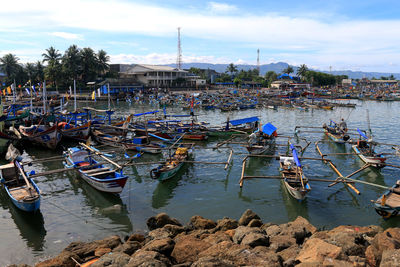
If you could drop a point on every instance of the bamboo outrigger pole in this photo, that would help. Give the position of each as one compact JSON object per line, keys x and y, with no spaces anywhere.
{"x":101,"y":155}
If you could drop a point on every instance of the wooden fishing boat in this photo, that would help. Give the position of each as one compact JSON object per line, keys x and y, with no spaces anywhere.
{"x":169,"y":168}
{"x":97,"y":175}
{"x":21,"y":189}
{"x":239,"y":126}
{"x":337,"y":132}
{"x":293,"y":177}
{"x":44,"y":135}
{"x":261,"y":141}
{"x":365,"y":151}
{"x":79,"y":132}
{"x":388,"y":205}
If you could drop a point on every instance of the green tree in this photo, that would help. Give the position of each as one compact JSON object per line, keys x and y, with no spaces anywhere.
{"x":270,"y":76}
{"x":53,"y":69}
{"x":288,"y":70}
{"x":71,"y":63}
{"x":223,"y":78}
{"x":102,"y":62}
{"x":39,"y":72}
{"x":231,"y":69}
{"x":10,"y":66}
{"x":237,"y":81}
{"x":30,"y":70}
{"x":89,"y":64}
{"x":302,"y":70}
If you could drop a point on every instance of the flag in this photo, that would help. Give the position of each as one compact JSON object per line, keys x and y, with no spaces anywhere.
{"x":27,"y":91}
{"x":94,"y":95}
{"x":99,"y":92}
{"x":9,"y":90}
{"x":4,"y":92}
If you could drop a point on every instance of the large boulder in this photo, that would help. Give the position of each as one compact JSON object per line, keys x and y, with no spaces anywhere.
{"x":316,"y":250}
{"x":226,"y":224}
{"x":300,"y":229}
{"x":87,"y":250}
{"x":242,"y":231}
{"x":255,"y":239}
{"x":129,"y":247}
{"x":217,"y":237}
{"x":387,"y":240}
{"x":187,"y":248}
{"x":281,"y":242}
{"x":64,"y":259}
{"x":271,"y":230}
{"x":390,"y":257}
{"x":114,"y":259}
{"x":168,"y":231}
{"x":136,"y":237}
{"x":212,"y":262}
{"x":247,"y":216}
{"x":160,"y":220}
{"x":198,"y":222}
{"x":148,"y":258}
{"x":163,"y":246}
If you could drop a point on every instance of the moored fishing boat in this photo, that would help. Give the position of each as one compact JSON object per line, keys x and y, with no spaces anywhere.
{"x":44,"y":135}
{"x":293,"y":177}
{"x":169,"y":168}
{"x":337,"y":132}
{"x":261,"y":141}
{"x":388,"y":205}
{"x":239,"y":126}
{"x":78,"y":132}
{"x":97,"y":175}
{"x":21,"y":189}
{"x":365,"y":151}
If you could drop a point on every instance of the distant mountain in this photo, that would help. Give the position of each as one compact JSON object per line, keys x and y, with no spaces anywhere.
{"x":280,"y":66}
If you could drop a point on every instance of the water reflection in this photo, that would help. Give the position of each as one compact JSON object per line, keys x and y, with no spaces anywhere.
{"x":30,"y":225}
{"x":294,"y":208}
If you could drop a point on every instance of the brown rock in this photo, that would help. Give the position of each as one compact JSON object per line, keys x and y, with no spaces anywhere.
{"x":217,"y":238}
{"x":300,"y":229}
{"x":271,"y":230}
{"x":231,"y":232}
{"x":358,"y":261}
{"x":212,"y":262}
{"x":163,"y":246}
{"x":136,"y":237}
{"x":101,"y":251}
{"x":372,"y":256}
{"x":63,"y":259}
{"x":112,"y":259}
{"x":160,"y":220}
{"x":19,"y":265}
{"x":226,"y":224}
{"x":281,"y":242}
{"x":336,"y":263}
{"x":289,"y":253}
{"x":390,"y":258}
{"x":255,"y":239}
{"x":242,"y":231}
{"x":148,"y":258}
{"x":222,"y":250}
{"x":198,"y":222}
{"x":316,"y":250}
{"x":247,"y":216}
{"x":387,"y":240}
{"x":352,"y":243}
{"x":255,"y":223}
{"x":187,"y":248}
{"x":129,"y":247}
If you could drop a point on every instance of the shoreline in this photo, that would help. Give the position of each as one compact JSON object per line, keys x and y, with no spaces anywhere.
{"x":230,"y":242}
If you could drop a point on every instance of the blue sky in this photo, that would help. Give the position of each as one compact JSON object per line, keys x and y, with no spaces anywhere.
{"x":355,"y":35}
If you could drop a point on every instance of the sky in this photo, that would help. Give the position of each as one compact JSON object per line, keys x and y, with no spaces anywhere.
{"x":344,"y":35}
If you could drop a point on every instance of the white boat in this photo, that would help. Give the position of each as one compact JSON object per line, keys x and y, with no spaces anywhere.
{"x":47,"y":136}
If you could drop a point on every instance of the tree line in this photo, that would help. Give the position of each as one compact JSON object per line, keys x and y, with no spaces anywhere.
{"x":58,"y":70}
{"x":316,"y":78}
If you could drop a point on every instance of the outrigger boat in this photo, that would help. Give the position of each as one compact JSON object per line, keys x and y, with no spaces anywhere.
{"x":44,"y":135}
{"x":94,"y":173}
{"x":337,"y":132}
{"x":75,"y":125}
{"x":388,"y":205}
{"x":365,"y":150}
{"x":239,"y":126}
{"x":21,"y":189}
{"x":169,"y":168}
{"x":261,"y":141}
{"x":293,"y":177}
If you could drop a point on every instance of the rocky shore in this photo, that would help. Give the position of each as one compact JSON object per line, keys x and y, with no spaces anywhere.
{"x":228,"y":242}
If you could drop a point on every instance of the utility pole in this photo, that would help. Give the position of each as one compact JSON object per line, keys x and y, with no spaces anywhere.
{"x":179,"y":52}
{"x":258,"y":62}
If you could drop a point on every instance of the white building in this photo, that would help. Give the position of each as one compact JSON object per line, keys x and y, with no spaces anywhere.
{"x":161,"y":76}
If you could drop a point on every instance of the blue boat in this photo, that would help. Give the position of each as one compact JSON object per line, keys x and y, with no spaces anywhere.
{"x":21,"y":189}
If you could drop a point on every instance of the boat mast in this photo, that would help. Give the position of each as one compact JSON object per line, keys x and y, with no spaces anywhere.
{"x":74,"y":96}
{"x":44,"y":97}
{"x":108,"y":96}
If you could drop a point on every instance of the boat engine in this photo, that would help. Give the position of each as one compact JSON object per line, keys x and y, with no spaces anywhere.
{"x":346,"y":137}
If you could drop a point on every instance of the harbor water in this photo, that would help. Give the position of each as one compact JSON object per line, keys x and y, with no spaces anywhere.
{"x":71,"y":210}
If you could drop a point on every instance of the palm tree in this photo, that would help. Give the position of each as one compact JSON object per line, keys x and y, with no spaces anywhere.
{"x":231,"y":68}
{"x":9,"y":64}
{"x":89,"y":64}
{"x":102,"y":62}
{"x":53,"y":69}
{"x":71,"y":62}
{"x":302,"y":70}
{"x":39,"y":71}
{"x":288,"y":70}
{"x":30,"y":70}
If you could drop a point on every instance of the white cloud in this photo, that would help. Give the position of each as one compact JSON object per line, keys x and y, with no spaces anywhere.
{"x":221,"y":7}
{"x":294,"y":39}
{"x":163,"y":58}
{"x":67,"y":35}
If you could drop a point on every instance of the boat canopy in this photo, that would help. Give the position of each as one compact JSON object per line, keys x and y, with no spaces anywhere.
{"x":268,"y":128}
{"x":145,"y":113}
{"x":295,"y":156}
{"x":361,"y":133}
{"x":245,"y":120}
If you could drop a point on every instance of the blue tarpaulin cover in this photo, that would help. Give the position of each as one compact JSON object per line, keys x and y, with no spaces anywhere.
{"x":145,"y":113}
{"x":268,"y":128}
{"x":245,"y":120}
{"x":295,"y":156}
{"x":361,"y":133}
{"x":163,"y":121}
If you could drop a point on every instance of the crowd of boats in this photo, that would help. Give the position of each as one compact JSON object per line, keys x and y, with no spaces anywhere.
{"x":156,"y":132}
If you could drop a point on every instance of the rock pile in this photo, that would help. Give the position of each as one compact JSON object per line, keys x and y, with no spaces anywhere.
{"x":247,"y":242}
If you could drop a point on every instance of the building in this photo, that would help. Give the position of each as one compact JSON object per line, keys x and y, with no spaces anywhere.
{"x":158,"y":76}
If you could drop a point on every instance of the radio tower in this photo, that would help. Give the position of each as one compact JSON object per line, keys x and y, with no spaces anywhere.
{"x":258,"y":61}
{"x":179,"y":55}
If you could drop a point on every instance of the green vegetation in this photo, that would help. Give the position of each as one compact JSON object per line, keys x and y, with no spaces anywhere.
{"x":82,"y":65}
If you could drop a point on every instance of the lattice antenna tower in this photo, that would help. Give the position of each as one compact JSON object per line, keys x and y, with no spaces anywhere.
{"x":258,"y":61}
{"x":179,"y":54}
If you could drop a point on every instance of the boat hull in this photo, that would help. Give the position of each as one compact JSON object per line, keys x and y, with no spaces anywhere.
{"x":113,"y":185}
{"x":26,"y":205}
{"x":377,"y":162}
